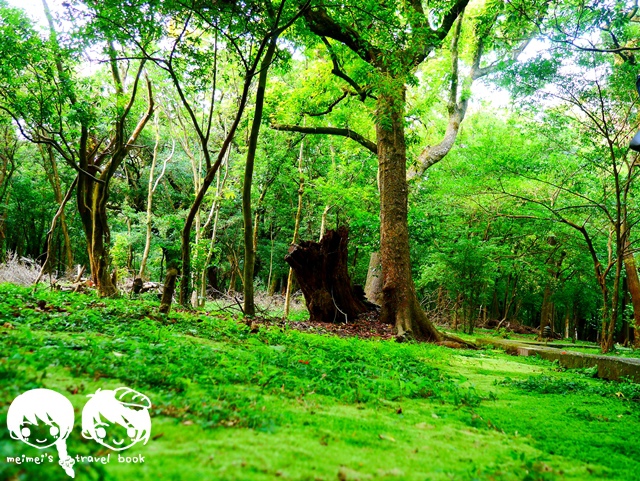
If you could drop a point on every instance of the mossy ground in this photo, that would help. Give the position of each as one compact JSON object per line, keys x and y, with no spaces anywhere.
{"x":234,"y":405}
{"x":564,"y":344}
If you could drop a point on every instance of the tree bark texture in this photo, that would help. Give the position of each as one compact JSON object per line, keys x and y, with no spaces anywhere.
{"x":633,"y":283}
{"x":400,"y":304}
{"x":169,"y":289}
{"x":322,"y":272}
{"x":92,"y":201}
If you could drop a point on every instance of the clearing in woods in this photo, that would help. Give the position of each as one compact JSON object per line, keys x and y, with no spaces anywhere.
{"x":233,"y":404}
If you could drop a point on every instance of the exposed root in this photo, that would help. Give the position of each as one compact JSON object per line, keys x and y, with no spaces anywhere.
{"x":455,"y":342}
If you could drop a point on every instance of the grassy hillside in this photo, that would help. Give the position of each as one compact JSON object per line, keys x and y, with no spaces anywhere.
{"x":231,"y":404}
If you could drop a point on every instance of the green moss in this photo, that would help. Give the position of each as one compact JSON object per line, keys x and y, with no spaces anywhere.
{"x":232,"y":405}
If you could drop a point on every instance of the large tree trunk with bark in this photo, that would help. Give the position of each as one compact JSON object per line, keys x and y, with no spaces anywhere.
{"x":633,"y":283}
{"x":322,"y":272}
{"x":400,"y":304}
{"x":92,"y":200}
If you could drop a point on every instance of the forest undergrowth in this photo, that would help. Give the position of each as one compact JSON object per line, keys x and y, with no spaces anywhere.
{"x":241,"y":402}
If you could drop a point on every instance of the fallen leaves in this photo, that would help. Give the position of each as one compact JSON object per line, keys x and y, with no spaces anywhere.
{"x":366,"y":326}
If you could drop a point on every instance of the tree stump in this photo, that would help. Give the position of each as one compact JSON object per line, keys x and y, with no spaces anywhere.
{"x":169,"y":289}
{"x":321,"y":271}
{"x":136,"y":287}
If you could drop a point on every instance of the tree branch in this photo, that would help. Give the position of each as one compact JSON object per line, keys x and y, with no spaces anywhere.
{"x":320,"y":23}
{"x":451,"y":17}
{"x":329,"y":109}
{"x":366,"y":143}
{"x":337,"y":71}
{"x":457,"y":110}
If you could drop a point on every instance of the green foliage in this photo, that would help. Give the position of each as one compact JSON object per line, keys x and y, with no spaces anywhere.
{"x":216,"y":386}
{"x":150,"y":354}
{"x":550,"y":385}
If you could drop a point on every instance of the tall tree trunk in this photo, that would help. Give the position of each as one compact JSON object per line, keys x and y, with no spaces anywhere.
{"x":623,"y":336}
{"x":185,"y":247}
{"x":400,"y":304}
{"x":92,"y":200}
{"x":249,"y":250}
{"x":607,"y":339}
{"x":633,"y":282}
{"x":58,"y":215}
{"x":93,"y":191}
{"x":249,"y":73}
{"x":152,"y":186}
{"x":214,"y":216}
{"x":51,"y":169}
{"x":296,"y":230}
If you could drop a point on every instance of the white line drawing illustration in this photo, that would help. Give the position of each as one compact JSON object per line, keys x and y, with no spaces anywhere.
{"x":117,"y":419}
{"x":43,"y":418}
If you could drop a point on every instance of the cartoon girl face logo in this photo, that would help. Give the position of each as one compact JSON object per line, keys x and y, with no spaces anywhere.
{"x":117,"y":419}
{"x":43,"y":418}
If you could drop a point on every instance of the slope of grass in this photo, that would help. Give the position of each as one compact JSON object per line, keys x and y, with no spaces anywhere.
{"x":229,"y":404}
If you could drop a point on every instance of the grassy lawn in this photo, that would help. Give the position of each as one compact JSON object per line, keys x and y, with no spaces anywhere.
{"x":230,"y":404}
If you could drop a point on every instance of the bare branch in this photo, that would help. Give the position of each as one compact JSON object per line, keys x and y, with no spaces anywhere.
{"x":366,"y":143}
{"x":337,"y":71}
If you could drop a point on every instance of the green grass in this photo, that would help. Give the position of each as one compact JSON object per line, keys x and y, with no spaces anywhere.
{"x":567,"y":345}
{"x":232,"y":405}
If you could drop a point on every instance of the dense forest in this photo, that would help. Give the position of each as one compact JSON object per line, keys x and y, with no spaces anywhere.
{"x":477,"y":150}
{"x":313,"y":240}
